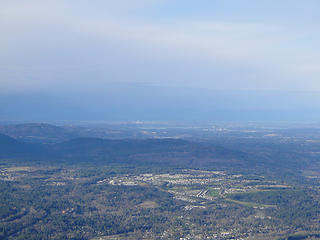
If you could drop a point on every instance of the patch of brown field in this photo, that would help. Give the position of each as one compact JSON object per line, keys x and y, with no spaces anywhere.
{"x":148,"y":204}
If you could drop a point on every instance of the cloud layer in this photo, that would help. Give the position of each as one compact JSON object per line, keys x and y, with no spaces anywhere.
{"x":56,"y":43}
{"x":182,"y":47}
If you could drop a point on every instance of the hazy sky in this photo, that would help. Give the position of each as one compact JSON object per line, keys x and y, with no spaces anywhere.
{"x":111,"y":57}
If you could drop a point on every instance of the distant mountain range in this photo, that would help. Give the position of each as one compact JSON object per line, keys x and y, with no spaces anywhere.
{"x":70,"y":145}
{"x":173,"y":152}
{"x":40,"y":132}
{"x":50,"y":134}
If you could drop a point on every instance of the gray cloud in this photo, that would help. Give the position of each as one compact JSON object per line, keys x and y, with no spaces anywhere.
{"x":55,"y":44}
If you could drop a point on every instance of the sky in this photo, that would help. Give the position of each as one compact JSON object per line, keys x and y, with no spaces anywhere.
{"x":160,"y":60}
